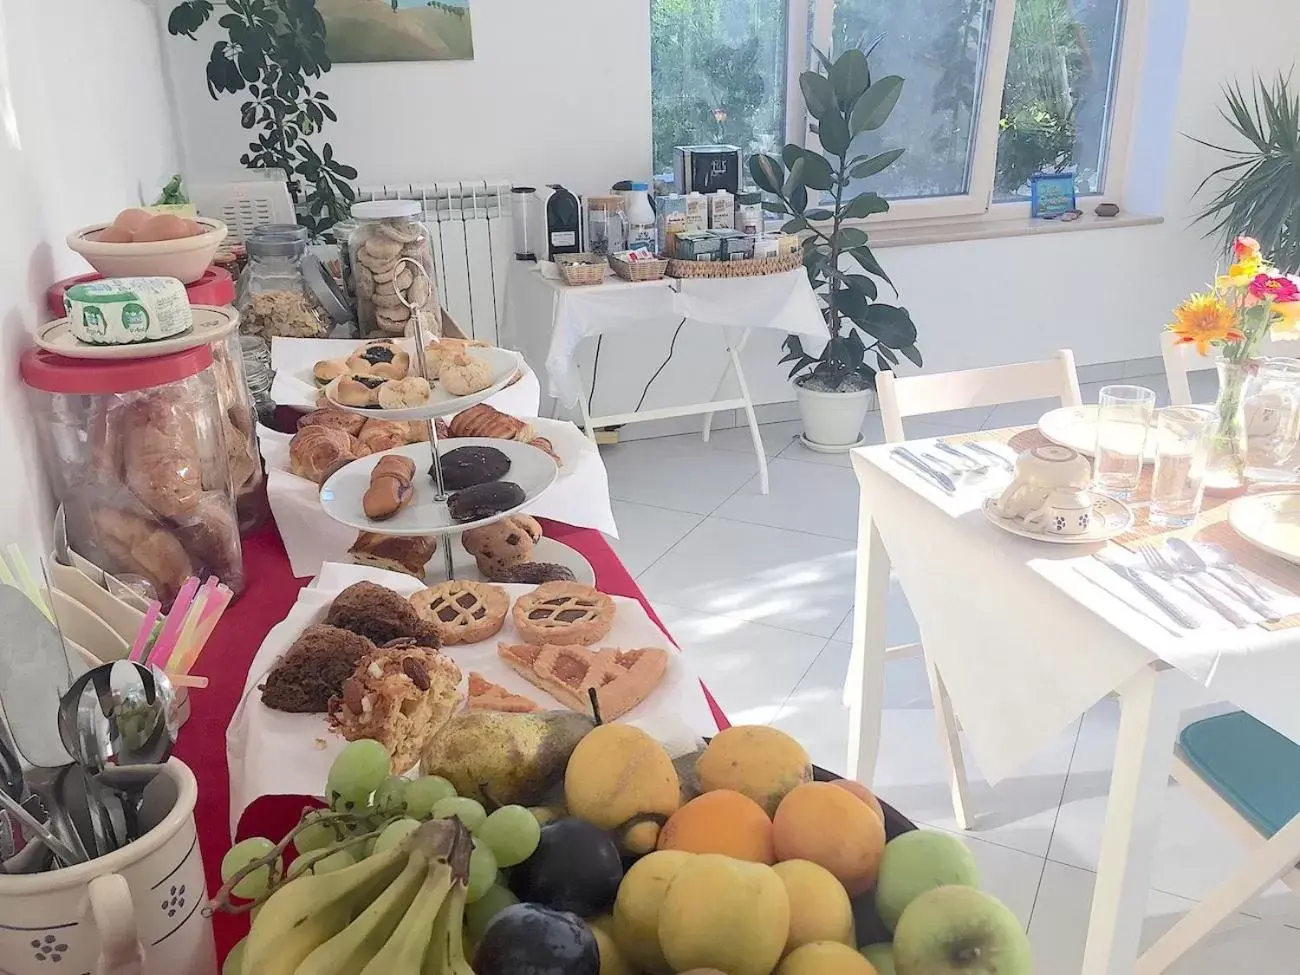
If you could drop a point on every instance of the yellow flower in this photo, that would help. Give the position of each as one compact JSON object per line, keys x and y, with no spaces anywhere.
{"x":1203,"y":319}
{"x":1243,"y":272}
{"x":1287,"y":326}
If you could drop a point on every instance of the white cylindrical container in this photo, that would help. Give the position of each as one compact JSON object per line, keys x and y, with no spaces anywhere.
{"x":521,"y":205}
{"x":641,"y":229}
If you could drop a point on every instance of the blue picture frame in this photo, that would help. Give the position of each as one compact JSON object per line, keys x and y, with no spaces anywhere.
{"x":1051,"y":194}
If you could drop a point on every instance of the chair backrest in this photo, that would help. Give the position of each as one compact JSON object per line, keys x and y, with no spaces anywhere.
{"x":1180,"y":359}
{"x":937,"y":392}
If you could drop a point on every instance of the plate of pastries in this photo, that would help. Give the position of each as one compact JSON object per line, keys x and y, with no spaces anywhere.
{"x":380,"y":376}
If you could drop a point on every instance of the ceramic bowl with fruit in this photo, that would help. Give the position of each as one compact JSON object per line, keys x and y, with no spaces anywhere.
{"x":139,"y":243}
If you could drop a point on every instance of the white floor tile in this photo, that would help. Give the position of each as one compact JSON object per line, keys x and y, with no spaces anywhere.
{"x":820,"y":500}
{"x":749,"y":668}
{"x":646,"y":533}
{"x":776,"y":437}
{"x":1059,"y":928}
{"x":786,"y":579}
{"x":670,"y":473}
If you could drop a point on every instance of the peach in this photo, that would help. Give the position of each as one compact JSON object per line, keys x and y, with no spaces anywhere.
{"x":863,"y":793}
{"x":723,"y":822}
{"x":834,"y":829}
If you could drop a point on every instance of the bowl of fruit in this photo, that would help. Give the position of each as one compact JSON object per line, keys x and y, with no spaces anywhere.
{"x":558,"y":846}
{"x":139,"y":243}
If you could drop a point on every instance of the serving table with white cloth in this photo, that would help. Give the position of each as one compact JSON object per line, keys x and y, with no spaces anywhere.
{"x":784,"y":302}
{"x":1027,"y":636}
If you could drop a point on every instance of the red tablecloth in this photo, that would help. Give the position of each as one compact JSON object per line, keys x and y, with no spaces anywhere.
{"x":271,"y":591}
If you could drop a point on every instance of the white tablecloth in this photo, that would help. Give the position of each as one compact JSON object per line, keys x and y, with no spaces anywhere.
{"x":784,"y":302}
{"x":579,"y":496}
{"x":293,"y":360}
{"x":1027,"y":637}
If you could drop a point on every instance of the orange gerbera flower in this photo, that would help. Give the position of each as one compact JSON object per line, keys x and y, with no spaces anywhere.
{"x":1203,"y":319}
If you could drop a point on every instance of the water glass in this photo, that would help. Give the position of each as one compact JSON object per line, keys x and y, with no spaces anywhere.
{"x":1123,"y":418}
{"x":1182,"y":453}
{"x":1272,"y":412}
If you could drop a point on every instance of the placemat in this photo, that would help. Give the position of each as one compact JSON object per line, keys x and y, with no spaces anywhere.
{"x":1211,"y":525}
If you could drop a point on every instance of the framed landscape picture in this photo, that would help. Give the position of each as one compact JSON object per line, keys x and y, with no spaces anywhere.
{"x":397,"y":30}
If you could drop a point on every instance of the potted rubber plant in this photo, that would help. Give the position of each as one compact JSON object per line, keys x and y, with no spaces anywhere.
{"x":813,"y":189}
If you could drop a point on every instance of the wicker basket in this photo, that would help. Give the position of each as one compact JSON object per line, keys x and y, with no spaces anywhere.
{"x":590,"y":271}
{"x":640,"y":271}
{"x":735,"y":269}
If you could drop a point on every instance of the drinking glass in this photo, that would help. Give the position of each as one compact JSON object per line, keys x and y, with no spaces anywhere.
{"x":1123,"y":419}
{"x":1182,"y":453}
{"x":1272,"y":410}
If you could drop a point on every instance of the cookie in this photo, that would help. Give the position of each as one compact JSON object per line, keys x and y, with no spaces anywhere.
{"x":462,"y":375}
{"x":484,"y":500}
{"x":533,"y":573}
{"x":563,"y":613}
{"x":400,"y":394}
{"x":499,"y":546}
{"x":462,"y":611}
{"x":466,"y":466}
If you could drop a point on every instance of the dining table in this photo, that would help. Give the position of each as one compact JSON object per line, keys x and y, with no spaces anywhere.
{"x":1027,"y":636}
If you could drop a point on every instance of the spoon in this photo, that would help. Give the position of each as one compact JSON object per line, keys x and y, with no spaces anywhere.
{"x":1218,"y":557}
{"x":127,"y":723}
{"x":1190,"y":559}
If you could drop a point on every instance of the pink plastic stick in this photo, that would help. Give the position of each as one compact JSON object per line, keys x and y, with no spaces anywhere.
{"x":146,"y":630}
{"x":171,"y":629}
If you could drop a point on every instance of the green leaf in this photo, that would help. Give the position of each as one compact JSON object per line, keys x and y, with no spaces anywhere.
{"x":869,"y":264}
{"x":850,"y":237}
{"x":822,"y":59}
{"x":799,"y":200}
{"x":767,"y":172}
{"x":893,"y":326}
{"x":873,"y":108}
{"x":834,"y":135}
{"x":818,"y":95}
{"x":860,"y":283}
{"x":791,"y":153}
{"x":819,"y":214}
{"x":775,"y":206}
{"x":793,"y":179}
{"x":794,"y":226}
{"x":850,"y":77}
{"x":876,"y":164}
{"x":913,"y":354}
{"x":864,"y":205}
{"x":886,"y":353}
{"x":817,"y":172}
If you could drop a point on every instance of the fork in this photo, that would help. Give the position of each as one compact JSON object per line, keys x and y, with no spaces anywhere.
{"x":1165,"y":570}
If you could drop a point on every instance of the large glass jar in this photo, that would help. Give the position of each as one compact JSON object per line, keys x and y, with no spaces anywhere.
{"x":388,"y":236}
{"x":273,"y":297}
{"x":1271,"y":408}
{"x":136,"y":453}
{"x":239,"y":428}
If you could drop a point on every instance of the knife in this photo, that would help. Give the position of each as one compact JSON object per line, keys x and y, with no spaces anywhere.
{"x":1006,"y":464}
{"x":1131,"y":576}
{"x":909,"y":459}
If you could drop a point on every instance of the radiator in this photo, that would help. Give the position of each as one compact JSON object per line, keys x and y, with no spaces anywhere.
{"x":469,"y":223}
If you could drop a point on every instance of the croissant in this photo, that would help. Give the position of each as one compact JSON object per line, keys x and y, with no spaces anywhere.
{"x":485,"y":421}
{"x":545,"y":446}
{"x":380,"y":435}
{"x":315,"y":452}
{"x":141,"y":545}
{"x":161,"y":457}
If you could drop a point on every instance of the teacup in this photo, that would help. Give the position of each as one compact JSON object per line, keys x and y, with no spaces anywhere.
{"x":1039,"y":472}
{"x":1066,"y":511}
{"x":136,"y":911}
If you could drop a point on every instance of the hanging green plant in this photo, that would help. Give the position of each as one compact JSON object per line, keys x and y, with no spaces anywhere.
{"x":272,"y":48}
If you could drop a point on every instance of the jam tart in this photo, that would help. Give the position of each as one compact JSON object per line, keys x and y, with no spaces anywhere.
{"x":622,"y":679}
{"x":564,"y":613}
{"x":462,"y":611}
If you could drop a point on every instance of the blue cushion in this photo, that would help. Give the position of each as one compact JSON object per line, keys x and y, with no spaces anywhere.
{"x":1255,"y":769}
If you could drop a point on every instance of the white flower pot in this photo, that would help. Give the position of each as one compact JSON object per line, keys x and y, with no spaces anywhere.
{"x":833,"y":421}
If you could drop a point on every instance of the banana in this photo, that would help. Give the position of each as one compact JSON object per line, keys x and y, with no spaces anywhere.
{"x":403,"y":953}
{"x":282,"y":936}
{"x":348,"y":951}
{"x":447,"y":944}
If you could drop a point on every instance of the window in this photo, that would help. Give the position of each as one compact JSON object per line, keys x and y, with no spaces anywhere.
{"x":995,"y":90}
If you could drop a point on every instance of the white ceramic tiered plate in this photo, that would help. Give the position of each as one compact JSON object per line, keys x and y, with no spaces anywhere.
{"x":1076,"y":426}
{"x":1110,"y":518}
{"x":1270,"y":522}
{"x":546,"y":550}
{"x":341,"y":494}
{"x":504,"y":365}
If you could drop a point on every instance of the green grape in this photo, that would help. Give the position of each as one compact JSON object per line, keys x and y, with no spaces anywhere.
{"x":467,"y":811}
{"x":240,"y":856}
{"x":335,"y":861}
{"x":480,"y":914}
{"x":394,"y":833}
{"x":482,"y":872}
{"x":234,"y":963}
{"x":425,"y":792}
{"x":316,"y":835}
{"x":512,"y":833}
{"x":390,"y":797}
{"x":360,"y":768}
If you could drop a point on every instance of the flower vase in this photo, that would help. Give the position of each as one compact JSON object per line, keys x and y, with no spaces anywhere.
{"x":1226,"y":469}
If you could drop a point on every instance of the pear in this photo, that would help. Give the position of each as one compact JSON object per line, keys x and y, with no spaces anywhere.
{"x":504,"y":759}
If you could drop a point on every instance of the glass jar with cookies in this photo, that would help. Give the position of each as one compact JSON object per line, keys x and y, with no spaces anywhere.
{"x":388,"y":238}
{"x":273,"y":298}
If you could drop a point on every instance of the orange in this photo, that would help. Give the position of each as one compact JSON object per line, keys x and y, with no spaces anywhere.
{"x":834,"y":829}
{"x":721,"y":821}
{"x":863,"y":793}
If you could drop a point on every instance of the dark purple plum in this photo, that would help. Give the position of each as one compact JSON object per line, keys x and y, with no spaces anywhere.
{"x":526,"y":939}
{"x":576,"y":867}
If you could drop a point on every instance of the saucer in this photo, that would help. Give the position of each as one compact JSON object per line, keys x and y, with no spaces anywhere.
{"x":1110,"y":518}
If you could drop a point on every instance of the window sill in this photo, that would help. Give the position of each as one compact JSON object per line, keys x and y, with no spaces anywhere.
{"x":912,"y":233}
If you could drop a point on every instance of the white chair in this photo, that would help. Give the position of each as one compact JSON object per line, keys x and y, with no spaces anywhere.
{"x":938,"y":393}
{"x":1180,"y":359}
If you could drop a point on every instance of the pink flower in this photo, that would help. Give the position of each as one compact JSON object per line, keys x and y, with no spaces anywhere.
{"x":1245,"y":249}
{"x":1275,"y":288}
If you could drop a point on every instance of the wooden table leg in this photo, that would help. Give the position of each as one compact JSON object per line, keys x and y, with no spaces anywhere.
{"x":1151,"y":703}
{"x":865,"y":685}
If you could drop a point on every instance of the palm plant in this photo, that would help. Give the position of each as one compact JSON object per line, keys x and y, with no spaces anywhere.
{"x":1263,"y":198}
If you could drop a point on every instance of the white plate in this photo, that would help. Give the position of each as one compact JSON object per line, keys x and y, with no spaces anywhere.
{"x":546,"y":550}
{"x":340,"y":495}
{"x":1269,"y":521}
{"x":1109,"y":519}
{"x":1076,"y":426}
{"x":210,"y":325}
{"x":504,"y":365}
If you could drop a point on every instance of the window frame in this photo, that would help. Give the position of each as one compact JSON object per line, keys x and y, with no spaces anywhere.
{"x":812,"y":21}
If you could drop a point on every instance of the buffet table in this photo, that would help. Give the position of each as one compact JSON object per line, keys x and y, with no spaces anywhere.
{"x":271,"y":591}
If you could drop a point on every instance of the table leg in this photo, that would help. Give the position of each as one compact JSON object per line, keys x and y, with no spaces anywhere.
{"x":1151,"y":703}
{"x":587,"y":428}
{"x":717,"y":390}
{"x":759,"y":452}
{"x":865,"y":687}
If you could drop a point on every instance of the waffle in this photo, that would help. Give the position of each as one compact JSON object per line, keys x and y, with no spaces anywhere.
{"x":622,"y":678}
{"x":487,"y":696}
{"x":462,"y":611}
{"x":563,"y":614}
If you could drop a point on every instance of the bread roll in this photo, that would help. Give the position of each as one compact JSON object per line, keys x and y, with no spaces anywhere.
{"x":328,"y":370}
{"x":316,"y":452}
{"x":211,"y":537}
{"x":355,"y":389}
{"x":140,"y":545}
{"x":390,"y":487}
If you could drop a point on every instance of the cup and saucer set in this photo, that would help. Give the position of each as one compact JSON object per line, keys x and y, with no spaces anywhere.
{"x":1050,"y":499}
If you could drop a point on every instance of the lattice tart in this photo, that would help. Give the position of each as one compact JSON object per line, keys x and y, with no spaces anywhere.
{"x":462,"y":611}
{"x":564,"y":613}
{"x":622,"y":678}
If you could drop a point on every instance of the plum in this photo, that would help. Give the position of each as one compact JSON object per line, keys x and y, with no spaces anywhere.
{"x":576,"y":867}
{"x":526,"y":939}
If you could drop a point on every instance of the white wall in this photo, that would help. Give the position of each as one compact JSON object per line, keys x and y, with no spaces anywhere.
{"x":83,"y":132}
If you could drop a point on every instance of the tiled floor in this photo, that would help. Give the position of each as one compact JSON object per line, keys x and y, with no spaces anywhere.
{"x":759,"y":589}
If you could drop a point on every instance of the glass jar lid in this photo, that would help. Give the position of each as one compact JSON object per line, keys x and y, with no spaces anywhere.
{"x":385,"y":209}
{"x":276,"y":246}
